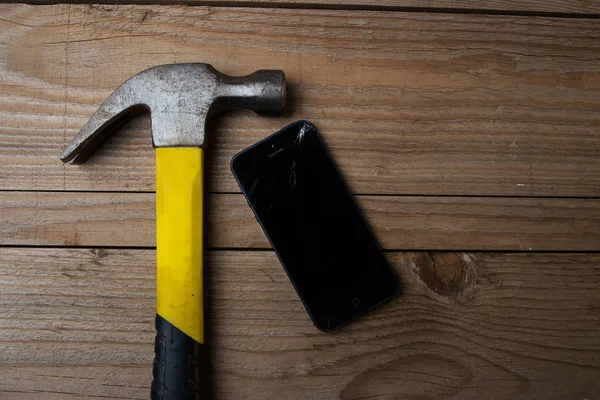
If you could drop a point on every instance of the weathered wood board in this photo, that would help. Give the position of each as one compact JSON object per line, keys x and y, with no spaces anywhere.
{"x":468,"y":325}
{"x":410,"y":103}
{"x":400,"y":222}
{"x":557,"y":8}
{"x":470,"y":141}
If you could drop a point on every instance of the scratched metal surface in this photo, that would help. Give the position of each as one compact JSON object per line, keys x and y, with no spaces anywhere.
{"x":180,"y":98}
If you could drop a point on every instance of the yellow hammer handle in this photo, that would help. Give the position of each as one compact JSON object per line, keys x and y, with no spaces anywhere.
{"x":179,"y":321}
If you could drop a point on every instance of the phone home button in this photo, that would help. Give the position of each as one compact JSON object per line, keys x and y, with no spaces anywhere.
{"x":356,"y":301}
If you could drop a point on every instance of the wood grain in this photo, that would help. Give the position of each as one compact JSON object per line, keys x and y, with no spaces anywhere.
{"x":554,"y":7}
{"x":79,"y":323}
{"x":404,"y":222}
{"x":410,"y":103}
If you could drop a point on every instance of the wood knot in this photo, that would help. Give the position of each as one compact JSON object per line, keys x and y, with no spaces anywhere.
{"x":442,"y":272}
{"x":99,"y":253}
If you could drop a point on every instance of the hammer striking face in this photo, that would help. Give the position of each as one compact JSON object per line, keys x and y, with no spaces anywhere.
{"x":180,"y":98}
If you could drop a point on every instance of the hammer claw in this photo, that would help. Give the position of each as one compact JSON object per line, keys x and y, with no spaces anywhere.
{"x":120,"y":106}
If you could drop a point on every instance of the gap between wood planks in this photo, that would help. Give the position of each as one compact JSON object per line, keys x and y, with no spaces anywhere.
{"x":491,"y":196}
{"x":262,"y":249}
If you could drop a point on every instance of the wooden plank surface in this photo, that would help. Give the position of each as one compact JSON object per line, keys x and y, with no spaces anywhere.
{"x":79,"y":323}
{"x":410,"y":103}
{"x":574,"y":8}
{"x":438,"y":120}
{"x":404,"y":222}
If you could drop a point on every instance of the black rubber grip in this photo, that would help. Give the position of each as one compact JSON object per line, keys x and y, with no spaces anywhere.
{"x":180,"y":365}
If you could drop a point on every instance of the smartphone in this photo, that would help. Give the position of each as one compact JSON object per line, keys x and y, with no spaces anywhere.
{"x":314,"y":225}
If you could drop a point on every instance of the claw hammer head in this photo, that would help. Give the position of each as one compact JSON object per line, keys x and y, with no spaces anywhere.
{"x":180,"y":97}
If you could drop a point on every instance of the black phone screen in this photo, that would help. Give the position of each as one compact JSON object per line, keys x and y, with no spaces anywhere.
{"x":314,"y":225}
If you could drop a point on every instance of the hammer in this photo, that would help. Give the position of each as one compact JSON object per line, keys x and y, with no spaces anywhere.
{"x":180,"y":98}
